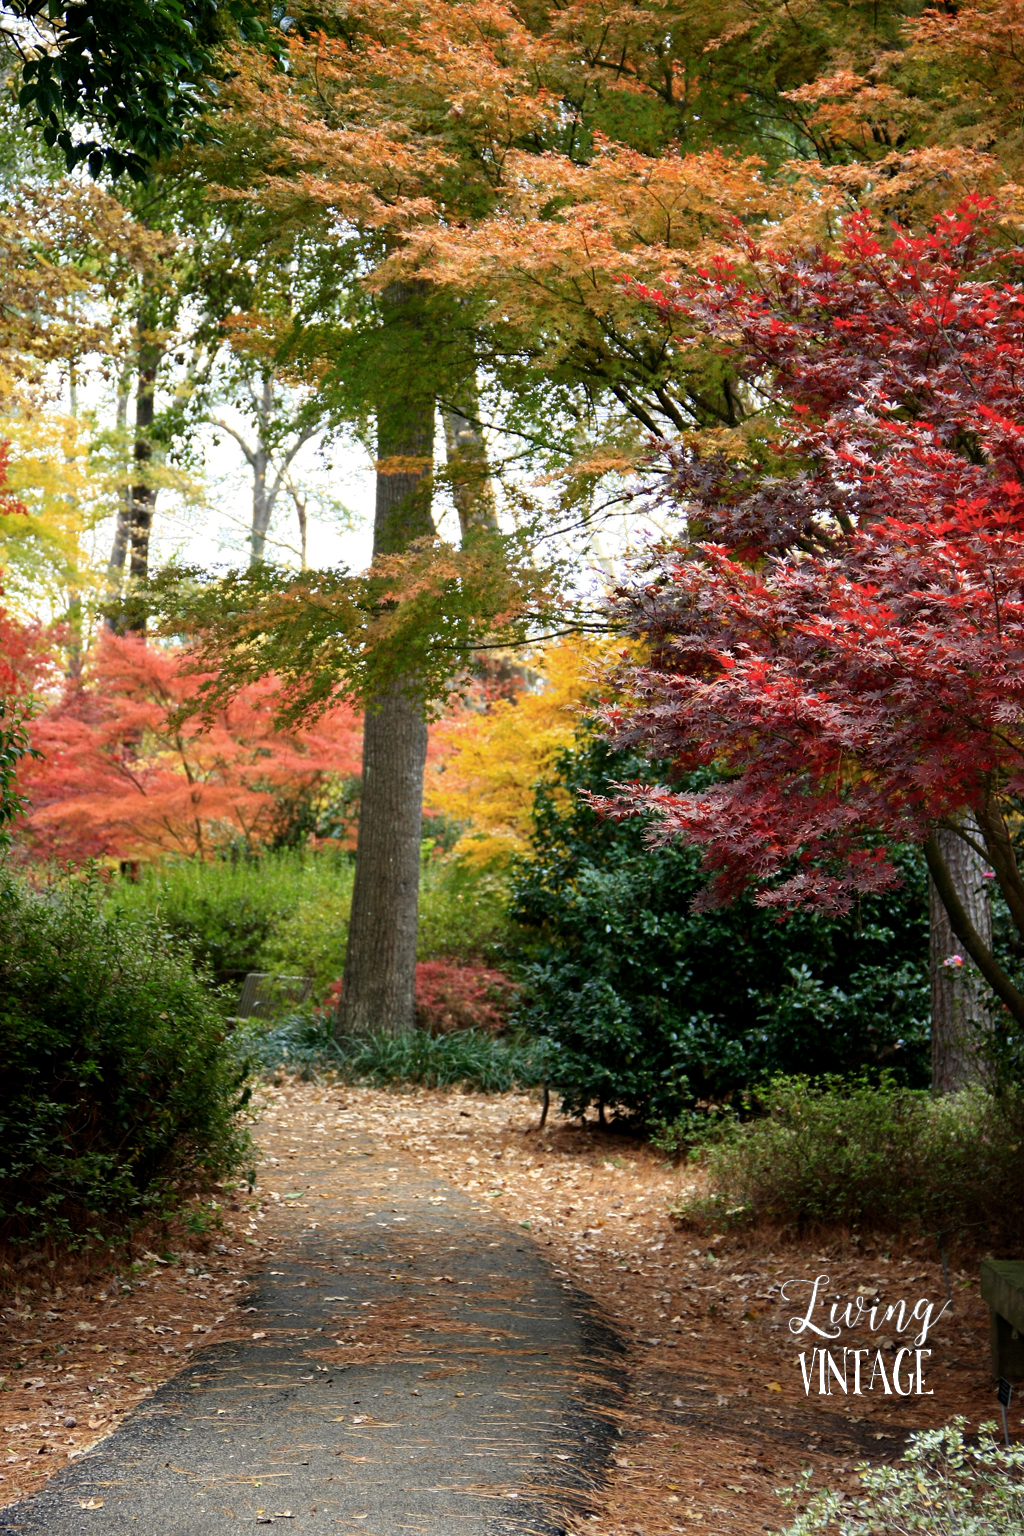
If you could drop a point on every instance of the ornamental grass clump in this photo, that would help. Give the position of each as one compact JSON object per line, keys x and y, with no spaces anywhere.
{"x":119,"y":1095}
{"x":833,"y":1152}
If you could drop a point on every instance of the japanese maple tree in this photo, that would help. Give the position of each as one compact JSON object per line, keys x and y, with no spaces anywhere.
{"x":130,"y":766}
{"x":841,"y":636}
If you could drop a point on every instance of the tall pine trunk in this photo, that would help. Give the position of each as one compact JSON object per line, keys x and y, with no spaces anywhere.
{"x":959,"y":1016}
{"x":380,"y":960}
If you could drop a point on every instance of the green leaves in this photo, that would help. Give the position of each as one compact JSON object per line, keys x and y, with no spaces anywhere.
{"x":118,"y":1091}
{"x":412,"y":621}
{"x":137,"y":68}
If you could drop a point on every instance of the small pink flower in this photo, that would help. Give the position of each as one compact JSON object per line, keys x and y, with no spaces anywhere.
{"x":954,"y":962}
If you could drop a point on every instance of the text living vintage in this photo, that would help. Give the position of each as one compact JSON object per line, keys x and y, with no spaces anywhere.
{"x":852,"y":1373}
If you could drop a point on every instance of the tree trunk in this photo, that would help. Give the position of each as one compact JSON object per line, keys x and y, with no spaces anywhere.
{"x":143,"y":495}
{"x":960,"y":1014}
{"x":261,"y":504}
{"x":468,"y":468}
{"x":380,"y":959}
{"x":122,"y":529}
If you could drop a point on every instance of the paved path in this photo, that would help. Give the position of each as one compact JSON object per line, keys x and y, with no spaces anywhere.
{"x":481,"y":1401}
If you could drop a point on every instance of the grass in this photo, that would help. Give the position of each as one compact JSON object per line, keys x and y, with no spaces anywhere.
{"x":466,"y":1058}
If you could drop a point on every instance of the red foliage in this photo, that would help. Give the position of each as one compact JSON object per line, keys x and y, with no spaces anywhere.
{"x":451,"y":996}
{"x":865,"y":680}
{"x":130,"y":770}
{"x":26,"y":662}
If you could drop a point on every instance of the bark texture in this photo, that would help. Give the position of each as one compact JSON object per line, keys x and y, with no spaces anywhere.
{"x":380,"y":961}
{"x":959,"y":1015}
{"x":378,"y":992}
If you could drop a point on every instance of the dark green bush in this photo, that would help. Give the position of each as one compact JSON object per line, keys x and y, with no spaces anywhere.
{"x":467,"y":1058}
{"x":870,"y":1155}
{"x":118,"y":1090}
{"x":650,"y":1007}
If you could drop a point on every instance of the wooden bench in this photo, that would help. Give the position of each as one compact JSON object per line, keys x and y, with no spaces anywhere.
{"x":266,"y":995}
{"x":1002,"y":1288}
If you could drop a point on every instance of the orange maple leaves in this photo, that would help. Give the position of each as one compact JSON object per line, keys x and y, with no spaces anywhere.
{"x":129,"y":769}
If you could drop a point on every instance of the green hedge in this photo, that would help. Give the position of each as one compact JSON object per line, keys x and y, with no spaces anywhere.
{"x":288,"y":911}
{"x":119,"y":1092}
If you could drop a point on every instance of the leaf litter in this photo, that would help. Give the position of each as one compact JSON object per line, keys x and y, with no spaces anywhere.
{"x":717,"y":1418}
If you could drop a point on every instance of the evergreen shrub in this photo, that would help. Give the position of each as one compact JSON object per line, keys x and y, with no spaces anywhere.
{"x":943,"y":1485}
{"x":868,"y":1155}
{"x":119,"y":1092}
{"x":650,"y":1007}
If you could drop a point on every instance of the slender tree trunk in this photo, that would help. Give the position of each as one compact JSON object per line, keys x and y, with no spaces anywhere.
{"x":468,"y":467}
{"x":261,"y":505}
{"x":123,"y":525}
{"x":960,"y":1017}
{"x":380,"y":959}
{"x":143,"y":495}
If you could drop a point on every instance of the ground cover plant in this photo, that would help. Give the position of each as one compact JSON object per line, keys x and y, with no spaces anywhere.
{"x":943,"y":1485}
{"x":472,"y":1058}
{"x":853,"y":1154}
{"x":119,"y":1095}
{"x":650,"y":1005}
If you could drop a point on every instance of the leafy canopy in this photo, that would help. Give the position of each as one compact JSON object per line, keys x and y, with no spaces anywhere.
{"x":865,"y":678}
{"x":136,"y":70}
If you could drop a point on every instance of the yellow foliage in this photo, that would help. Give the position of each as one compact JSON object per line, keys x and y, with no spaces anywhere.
{"x":50,"y":476}
{"x":492,"y":761}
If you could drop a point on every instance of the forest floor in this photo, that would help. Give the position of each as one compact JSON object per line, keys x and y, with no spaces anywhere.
{"x":717,"y":1417}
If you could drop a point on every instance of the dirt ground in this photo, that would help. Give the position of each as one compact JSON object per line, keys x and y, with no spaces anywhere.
{"x":718,"y":1417}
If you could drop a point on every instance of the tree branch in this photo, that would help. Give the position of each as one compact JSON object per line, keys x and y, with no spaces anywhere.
{"x":968,"y":935}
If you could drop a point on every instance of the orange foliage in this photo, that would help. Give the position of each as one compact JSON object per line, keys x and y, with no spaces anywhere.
{"x":129,"y":770}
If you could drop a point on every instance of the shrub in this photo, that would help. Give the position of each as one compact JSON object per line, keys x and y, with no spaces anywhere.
{"x":870,"y":1155}
{"x":943,"y":1486}
{"x":288,"y":911}
{"x":463,"y":913}
{"x":467,"y":1058}
{"x":651,"y":1006}
{"x":451,"y":996}
{"x":284,"y":911}
{"x":118,"y":1090}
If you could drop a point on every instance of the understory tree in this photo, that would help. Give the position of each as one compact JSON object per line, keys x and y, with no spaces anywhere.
{"x":841,"y":633}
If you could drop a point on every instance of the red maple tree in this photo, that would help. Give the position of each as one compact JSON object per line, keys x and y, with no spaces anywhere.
{"x":845,"y":644}
{"x":129,"y":768}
